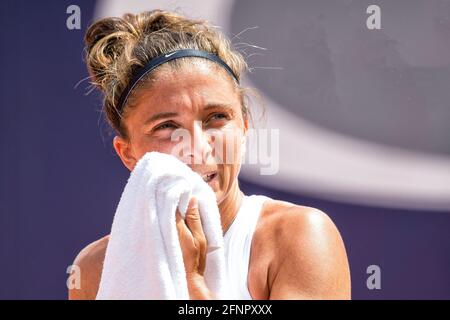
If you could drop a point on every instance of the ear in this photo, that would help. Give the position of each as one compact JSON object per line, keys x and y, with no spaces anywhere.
{"x":124,"y":151}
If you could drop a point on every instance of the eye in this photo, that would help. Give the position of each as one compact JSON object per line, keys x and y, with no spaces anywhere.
{"x":165,"y":125}
{"x":218,"y":116}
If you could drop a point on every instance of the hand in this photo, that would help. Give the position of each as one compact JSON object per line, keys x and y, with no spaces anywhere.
{"x":192,"y":241}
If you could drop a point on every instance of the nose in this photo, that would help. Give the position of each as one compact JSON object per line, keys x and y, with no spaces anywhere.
{"x":199,"y":150}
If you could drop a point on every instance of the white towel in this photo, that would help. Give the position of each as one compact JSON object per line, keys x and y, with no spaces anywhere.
{"x":144,"y":258}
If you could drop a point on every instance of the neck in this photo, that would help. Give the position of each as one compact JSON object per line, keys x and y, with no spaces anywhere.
{"x":229,"y":207}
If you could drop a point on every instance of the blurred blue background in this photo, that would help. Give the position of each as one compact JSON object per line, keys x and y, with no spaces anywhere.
{"x":386,"y":93}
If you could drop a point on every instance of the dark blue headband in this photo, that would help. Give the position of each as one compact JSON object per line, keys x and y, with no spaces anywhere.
{"x":153,"y":63}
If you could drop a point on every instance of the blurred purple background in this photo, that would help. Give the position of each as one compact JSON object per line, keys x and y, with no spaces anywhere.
{"x":61,"y":180}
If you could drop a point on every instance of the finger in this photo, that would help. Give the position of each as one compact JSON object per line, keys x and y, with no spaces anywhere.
{"x":194,"y":223}
{"x":183,"y":231}
{"x":193,"y":220}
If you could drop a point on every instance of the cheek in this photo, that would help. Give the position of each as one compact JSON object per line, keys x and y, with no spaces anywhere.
{"x":163,"y":147}
{"x":144,"y":145}
{"x":231,"y":163}
{"x":226,"y":146}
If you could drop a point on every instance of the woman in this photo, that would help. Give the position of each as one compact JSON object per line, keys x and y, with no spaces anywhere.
{"x":280,"y":250}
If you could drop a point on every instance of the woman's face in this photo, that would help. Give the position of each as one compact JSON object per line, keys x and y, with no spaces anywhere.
{"x":195,"y":114}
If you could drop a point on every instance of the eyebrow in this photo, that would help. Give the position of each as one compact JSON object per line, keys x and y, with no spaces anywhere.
{"x":164,"y":115}
{"x":161,"y":115}
{"x":217,"y":105}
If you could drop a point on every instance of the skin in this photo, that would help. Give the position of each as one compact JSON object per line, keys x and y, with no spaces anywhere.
{"x":296,"y":252}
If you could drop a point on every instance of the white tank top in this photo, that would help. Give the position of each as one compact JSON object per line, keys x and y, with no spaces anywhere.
{"x":237,"y":245}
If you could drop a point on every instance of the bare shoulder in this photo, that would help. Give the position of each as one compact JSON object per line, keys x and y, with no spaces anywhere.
{"x":90,"y":264}
{"x":281,"y":219}
{"x":306,"y":256}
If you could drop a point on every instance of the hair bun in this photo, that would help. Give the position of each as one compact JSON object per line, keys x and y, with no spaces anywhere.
{"x":105,"y":42}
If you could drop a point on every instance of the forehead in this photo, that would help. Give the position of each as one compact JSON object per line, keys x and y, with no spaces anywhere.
{"x":198,"y":83}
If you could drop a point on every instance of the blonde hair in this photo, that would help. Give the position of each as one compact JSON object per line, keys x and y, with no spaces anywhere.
{"x":117,"y":47}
